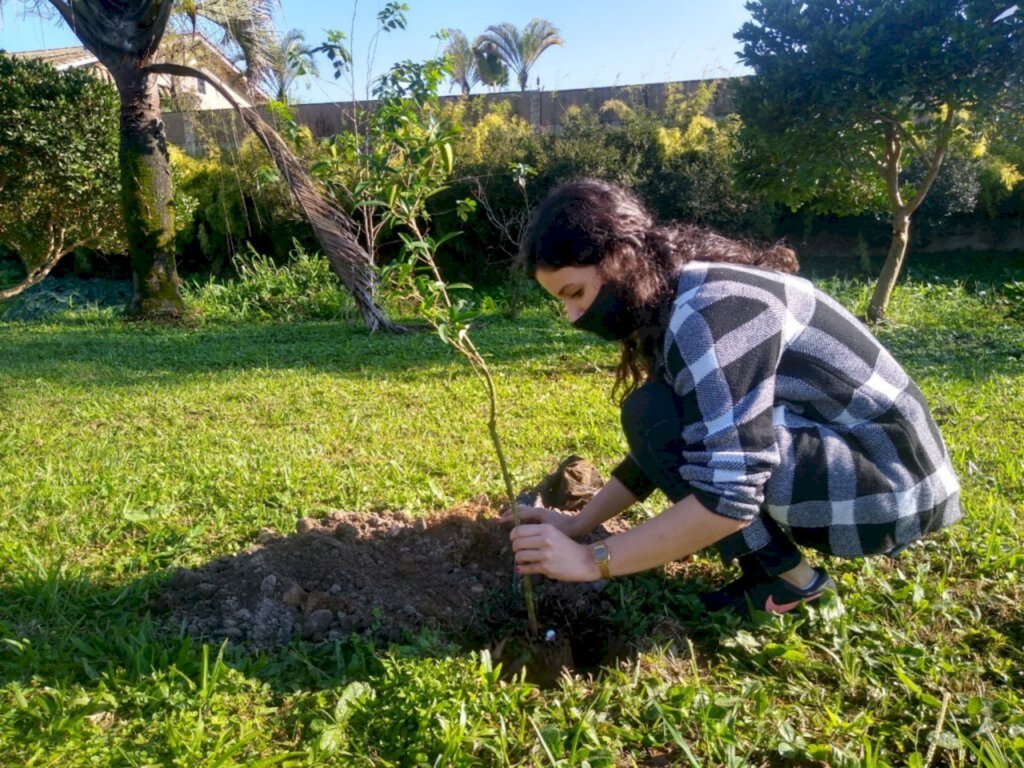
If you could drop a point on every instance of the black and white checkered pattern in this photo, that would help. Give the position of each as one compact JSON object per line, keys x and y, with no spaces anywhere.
{"x":793,"y":408}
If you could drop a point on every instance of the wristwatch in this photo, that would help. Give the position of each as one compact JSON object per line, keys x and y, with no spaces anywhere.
{"x":603,"y":558}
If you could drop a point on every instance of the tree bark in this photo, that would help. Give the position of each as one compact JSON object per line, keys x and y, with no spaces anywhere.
{"x":891,"y":269}
{"x":124,"y":38}
{"x":902,"y":212}
{"x":146,"y":199}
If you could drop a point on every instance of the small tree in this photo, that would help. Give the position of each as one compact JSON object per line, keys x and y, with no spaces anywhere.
{"x":59,"y":186}
{"x":392,"y":152}
{"x":491,"y":69}
{"x":848,"y":92}
{"x":353,"y":162}
{"x":470,"y":64}
{"x":409,"y":132}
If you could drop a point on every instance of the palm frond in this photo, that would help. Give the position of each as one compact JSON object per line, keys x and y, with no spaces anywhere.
{"x":462,"y":60}
{"x":248,"y":24}
{"x":290,"y":58}
{"x":537,"y":37}
{"x":519,"y":50}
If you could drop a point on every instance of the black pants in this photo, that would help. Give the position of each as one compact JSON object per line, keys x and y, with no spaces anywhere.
{"x":653,"y":421}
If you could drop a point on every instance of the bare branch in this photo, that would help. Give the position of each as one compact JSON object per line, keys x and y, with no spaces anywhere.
{"x":935,"y":163}
{"x":55,"y":251}
{"x":510,"y":225}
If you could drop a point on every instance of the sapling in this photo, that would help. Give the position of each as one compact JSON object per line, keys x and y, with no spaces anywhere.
{"x":451,"y":320}
{"x":420,"y":160}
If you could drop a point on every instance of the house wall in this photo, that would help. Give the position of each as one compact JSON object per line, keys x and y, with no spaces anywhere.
{"x":209,"y":98}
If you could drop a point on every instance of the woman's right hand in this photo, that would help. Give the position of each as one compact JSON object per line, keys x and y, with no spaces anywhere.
{"x":566,"y":522}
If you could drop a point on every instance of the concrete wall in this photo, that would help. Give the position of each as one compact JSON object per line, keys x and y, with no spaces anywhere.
{"x":544,"y":109}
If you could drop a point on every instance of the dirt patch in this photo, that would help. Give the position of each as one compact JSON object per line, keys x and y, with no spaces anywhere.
{"x":384,"y":574}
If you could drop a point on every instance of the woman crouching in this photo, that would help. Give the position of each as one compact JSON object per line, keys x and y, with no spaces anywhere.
{"x":767,"y":414}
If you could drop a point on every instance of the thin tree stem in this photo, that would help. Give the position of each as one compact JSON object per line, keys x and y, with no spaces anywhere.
{"x":492,"y":426}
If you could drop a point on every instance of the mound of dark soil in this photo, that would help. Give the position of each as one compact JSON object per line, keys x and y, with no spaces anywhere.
{"x":383,"y":575}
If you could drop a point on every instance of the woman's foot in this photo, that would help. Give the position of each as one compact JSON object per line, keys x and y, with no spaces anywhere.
{"x":766,"y":593}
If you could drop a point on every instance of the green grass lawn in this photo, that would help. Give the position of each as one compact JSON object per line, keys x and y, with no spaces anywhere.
{"x":128,"y":450}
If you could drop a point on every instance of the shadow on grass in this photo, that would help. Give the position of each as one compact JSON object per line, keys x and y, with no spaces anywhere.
{"x":119,"y":356}
{"x":63,"y":630}
{"x":974,"y":353}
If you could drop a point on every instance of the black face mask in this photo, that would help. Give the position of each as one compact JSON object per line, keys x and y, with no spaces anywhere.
{"x":609,"y":315}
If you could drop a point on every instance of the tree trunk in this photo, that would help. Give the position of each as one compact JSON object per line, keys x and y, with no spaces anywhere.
{"x":146,"y":199}
{"x":891,"y":269}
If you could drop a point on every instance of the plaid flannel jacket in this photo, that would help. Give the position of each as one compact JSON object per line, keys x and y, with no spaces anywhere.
{"x":793,"y":409}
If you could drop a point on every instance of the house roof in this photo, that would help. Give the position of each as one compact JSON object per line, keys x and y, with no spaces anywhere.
{"x":78,"y":56}
{"x":60,"y":58}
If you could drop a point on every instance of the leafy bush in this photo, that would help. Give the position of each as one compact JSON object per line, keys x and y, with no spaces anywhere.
{"x":1013,"y":298}
{"x":679,"y":160}
{"x":227,"y":201}
{"x":496,"y":157}
{"x":401,"y":151}
{"x":955,"y":190}
{"x":59,"y":178}
{"x":1002,"y":188}
{"x":302,"y":289}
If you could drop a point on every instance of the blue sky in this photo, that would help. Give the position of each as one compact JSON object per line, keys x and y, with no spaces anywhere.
{"x":607,"y":42}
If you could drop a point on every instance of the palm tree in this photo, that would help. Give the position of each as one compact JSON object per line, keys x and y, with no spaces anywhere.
{"x":519,"y":50}
{"x":124,"y":35}
{"x":462,"y":60}
{"x":289,"y":58}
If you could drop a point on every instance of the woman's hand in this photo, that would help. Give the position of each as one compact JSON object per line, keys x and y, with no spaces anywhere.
{"x":542,"y":548}
{"x":565,"y":522}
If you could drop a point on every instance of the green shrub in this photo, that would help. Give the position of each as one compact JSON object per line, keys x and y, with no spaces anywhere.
{"x":227,"y":201}
{"x":59,"y":178}
{"x":679,"y":160}
{"x":496,"y":157}
{"x":302,"y":289}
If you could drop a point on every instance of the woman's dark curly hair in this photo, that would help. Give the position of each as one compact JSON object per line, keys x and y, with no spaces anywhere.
{"x":595,"y":223}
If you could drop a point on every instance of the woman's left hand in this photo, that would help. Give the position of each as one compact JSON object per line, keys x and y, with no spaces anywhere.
{"x":546,"y":550}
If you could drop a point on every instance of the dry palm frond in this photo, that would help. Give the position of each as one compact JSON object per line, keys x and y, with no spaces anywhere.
{"x":332,"y":227}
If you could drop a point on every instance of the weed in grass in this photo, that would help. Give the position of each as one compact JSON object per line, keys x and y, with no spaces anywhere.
{"x":302,"y":289}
